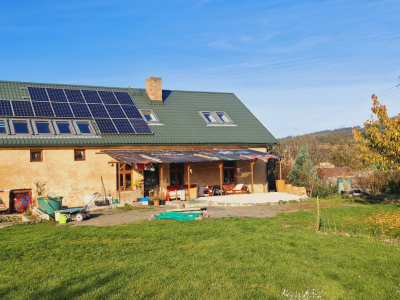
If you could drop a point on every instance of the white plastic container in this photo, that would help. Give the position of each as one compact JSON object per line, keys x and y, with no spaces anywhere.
{"x":183,"y":194}
{"x":56,"y":214}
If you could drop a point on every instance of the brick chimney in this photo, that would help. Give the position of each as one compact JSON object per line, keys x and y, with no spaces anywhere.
{"x":154,"y":88}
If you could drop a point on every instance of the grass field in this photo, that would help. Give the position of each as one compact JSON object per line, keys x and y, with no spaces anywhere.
{"x":232,"y":258}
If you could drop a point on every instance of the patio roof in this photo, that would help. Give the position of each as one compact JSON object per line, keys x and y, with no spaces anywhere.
{"x":188,"y":155}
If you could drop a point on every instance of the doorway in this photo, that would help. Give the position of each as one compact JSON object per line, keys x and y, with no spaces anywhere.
{"x":151,"y":181}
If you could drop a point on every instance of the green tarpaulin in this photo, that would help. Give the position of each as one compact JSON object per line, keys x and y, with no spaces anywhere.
{"x":178,"y":216}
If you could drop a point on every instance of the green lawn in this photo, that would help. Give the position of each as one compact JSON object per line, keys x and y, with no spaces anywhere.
{"x":232,"y":258}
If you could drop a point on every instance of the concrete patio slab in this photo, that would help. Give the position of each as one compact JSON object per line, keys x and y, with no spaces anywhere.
{"x":251,"y":199}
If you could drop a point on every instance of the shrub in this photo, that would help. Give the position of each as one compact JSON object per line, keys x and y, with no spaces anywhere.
{"x":324,"y":192}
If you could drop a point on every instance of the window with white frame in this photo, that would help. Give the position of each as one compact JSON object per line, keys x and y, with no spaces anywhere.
{"x":216,"y":118}
{"x":209,"y":117}
{"x":223,"y":117}
{"x":64,"y":127}
{"x":3,"y":127}
{"x":149,"y":116}
{"x":20,"y":127}
{"x":42,"y":127}
{"x":84,"y":128}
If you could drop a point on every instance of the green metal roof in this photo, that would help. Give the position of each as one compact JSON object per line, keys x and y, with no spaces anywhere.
{"x":179,"y":113}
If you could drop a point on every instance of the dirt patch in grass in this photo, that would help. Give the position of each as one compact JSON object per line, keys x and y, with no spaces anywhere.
{"x":114,"y":217}
{"x":120,"y":216}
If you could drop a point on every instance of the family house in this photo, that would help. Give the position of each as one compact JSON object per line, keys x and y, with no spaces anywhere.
{"x":125,"y":142}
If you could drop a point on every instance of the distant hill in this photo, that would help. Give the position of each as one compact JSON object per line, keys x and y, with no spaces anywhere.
{"x":347,"y":130}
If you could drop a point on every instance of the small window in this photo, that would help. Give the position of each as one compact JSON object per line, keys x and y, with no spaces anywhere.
{"x":209,"y":117}
{"x":36,"y":155}
{"x":84,"y":127}
{"x":22,"y":127}
{"x":64,"y":127}
{"x":149,"y":116}
{"x":79,"y":155}
{"x":223,"y":117}
{"x":3,"y":127}
{"x":42,"y":127}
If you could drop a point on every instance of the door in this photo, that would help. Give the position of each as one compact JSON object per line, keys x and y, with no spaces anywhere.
{"x":21,"y":201}
{"x":151,"y":181}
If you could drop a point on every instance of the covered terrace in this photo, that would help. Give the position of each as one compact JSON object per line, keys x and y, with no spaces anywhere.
{"x":190,"y":157}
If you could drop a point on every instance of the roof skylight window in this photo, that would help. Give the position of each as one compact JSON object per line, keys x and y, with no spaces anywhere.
{"x":216,"y":118}
{"x":84,"y":128}
{"x":42,"y":127}
{"x":64,"y":127}
{"x":22,"y":127}
{"x":3,"y":129}
{"x":149,"y":116}
{"x":222,"y":117}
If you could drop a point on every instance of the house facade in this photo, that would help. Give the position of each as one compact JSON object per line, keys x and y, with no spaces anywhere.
{"x":71,"y":141}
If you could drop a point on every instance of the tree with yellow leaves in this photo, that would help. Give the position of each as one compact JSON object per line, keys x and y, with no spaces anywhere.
{"x":380,"y":144}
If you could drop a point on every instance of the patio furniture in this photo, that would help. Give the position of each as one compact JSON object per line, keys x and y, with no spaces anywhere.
{"x":239,"y":189}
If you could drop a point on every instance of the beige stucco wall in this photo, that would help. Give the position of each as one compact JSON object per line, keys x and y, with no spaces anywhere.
{"x":75,"y":179}
{"x":64,"y":176}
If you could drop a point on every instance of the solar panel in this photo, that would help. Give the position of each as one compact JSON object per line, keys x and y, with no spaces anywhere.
{"x":115,"y":111}
{"x":140,"y":126}
{"x":106,"y":126}
{"x":91,"y":96}
{"x":108,"y":97}
{"x":62,"y":110}
{"x":56,"y":95}
{"x":22,"y":108}
{"x":43,"y":109}
{"x":80,"y":110}
{"x":38,"y":94}
{"x":131,"y":112}
{"x":74,"y":96}
{"x":5,"y":108}
{"x":123,"y":126}
{"x":98,"y":111}
{"x":124,"y":98}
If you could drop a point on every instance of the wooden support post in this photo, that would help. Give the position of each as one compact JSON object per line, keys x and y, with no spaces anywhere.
{"x":161,"y":182}
{"x":252,"y":162}
{"x":221,"y":174}
{"x":280,"y":170}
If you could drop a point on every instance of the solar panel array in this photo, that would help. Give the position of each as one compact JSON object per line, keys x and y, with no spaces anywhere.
{"x":113,"y":112}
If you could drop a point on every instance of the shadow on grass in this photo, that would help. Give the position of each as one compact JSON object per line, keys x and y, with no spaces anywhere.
{"x":378,"y":199}
{"x":99,"y":284}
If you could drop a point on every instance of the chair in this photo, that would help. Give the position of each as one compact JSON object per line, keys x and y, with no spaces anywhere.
{"x":172,"y":192}
{"x":239,"y":189}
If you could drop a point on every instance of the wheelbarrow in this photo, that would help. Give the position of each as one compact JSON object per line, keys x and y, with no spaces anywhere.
{"x":79,"y":213}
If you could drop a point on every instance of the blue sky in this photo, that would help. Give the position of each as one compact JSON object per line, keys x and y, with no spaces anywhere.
{"x":293,"y":63}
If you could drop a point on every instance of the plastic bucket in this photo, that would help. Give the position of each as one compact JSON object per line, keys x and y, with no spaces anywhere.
{"x":62,"y":219}
{"x":57,"y":215}
{"x":115,"y":201}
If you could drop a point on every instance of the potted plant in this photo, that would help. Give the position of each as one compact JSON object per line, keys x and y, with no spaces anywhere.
{"x":156,"y":200}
